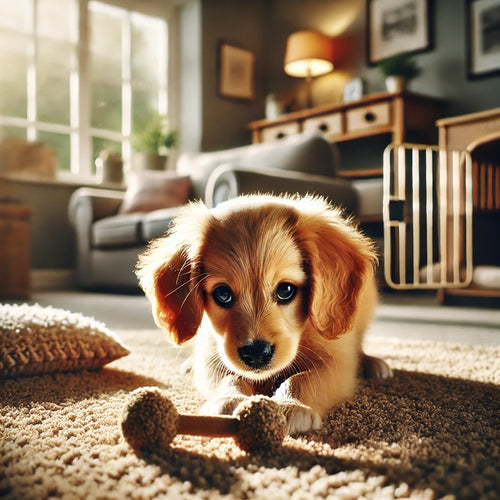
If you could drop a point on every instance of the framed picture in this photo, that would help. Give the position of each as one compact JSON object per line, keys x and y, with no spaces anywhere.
{"x":397,"y":28}
{"x":236,"y":72}
{"x":353,"y":90}
{"x":483,"y":37}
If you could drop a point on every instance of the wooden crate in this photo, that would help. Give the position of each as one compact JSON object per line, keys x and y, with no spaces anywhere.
{"x":14,"y":250}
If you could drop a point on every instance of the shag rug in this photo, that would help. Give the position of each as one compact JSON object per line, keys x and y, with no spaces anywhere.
{"x":432,"y":431}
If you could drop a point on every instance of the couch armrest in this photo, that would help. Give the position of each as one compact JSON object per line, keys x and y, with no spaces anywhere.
{"x":87,"y":205}
{"x":229,"y":181}
{"x":97,"y":203}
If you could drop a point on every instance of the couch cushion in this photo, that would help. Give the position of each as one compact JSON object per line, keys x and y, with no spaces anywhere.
{"x":151,"y":190}
{"x":155,"y":224}
{"x":117,"y":230}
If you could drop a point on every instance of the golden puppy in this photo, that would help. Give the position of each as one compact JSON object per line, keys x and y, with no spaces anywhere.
{"x":277,"y":293}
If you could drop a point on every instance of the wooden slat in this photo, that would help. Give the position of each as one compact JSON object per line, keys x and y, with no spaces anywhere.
{"x":475,"y":184}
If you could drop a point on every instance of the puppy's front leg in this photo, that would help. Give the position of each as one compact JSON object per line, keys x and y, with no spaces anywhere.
{"x":375,"y":368}
{"x":230,"y":393}
{"x":300,"y":416}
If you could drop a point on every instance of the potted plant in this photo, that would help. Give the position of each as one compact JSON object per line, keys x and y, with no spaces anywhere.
{"x":398,"y":71}
{"x":152,"y":144}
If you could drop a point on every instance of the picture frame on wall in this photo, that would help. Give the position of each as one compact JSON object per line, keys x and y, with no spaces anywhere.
{"x":236,"y":72}
{"x":395,"y":28}
{"x":483,"y":37}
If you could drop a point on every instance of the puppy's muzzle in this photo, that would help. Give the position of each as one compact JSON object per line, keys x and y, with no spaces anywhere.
{"x":256,"y":354}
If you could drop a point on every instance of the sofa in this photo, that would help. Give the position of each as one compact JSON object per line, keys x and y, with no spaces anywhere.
{"x":113,"y":227}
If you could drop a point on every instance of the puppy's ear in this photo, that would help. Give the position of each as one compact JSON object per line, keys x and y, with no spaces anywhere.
{"x":169,"y":275}
{"x":340,"y":260}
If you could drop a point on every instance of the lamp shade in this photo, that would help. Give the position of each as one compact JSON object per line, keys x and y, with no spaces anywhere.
{"x":308,"y":54}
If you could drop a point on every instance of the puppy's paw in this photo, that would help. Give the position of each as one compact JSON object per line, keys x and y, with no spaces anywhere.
{"x":300,"y":418}
{"x":221,"y":406}
{"x":375,"y":368}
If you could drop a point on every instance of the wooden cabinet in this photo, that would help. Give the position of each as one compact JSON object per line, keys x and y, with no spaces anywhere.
{"x":396,"y":114}
{"x":14,"y":250}
{"x":479,"y":133}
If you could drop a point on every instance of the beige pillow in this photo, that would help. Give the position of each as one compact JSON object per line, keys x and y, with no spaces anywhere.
{"x":151,"y":190}
{"x":36,"y":340}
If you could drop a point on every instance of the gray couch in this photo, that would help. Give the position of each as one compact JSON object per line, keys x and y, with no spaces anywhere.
{"x":108,"y":243}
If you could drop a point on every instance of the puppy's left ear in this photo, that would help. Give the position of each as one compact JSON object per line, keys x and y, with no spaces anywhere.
{"x":170,"y":276}
{"x":168,"y":283}
{"x":340,"y":260}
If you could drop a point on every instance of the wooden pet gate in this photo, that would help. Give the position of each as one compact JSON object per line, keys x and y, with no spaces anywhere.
{"x":427,"y":212}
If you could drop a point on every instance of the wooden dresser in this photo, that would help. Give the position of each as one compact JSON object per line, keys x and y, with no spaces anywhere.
{"x":396,"y":114}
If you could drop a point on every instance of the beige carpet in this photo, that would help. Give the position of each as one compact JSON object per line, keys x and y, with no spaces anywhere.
{"x":430,"y":432}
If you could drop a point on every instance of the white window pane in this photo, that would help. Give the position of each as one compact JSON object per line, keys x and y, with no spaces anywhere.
{"x":106,"y":110}
{"x":13,"y":75}
{"x":144,"y":105}
{"x":106,"y":25}
{"x":53,"y":81}
{"x":106,"y":31}
{"x":60,"y":143}
{"x":57,"y":19}
{"x":17,"y":15}
{"x":105,"y":44}
{"x":105,"y":69}
{"x":148,"y":46}
{"x":6,"y":131}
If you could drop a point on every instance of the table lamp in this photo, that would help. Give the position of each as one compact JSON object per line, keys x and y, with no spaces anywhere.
{"x":308,"y":54}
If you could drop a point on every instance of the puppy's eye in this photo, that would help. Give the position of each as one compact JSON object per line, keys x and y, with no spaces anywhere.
{"x":223,"y":296}
{"x":285,"y":292}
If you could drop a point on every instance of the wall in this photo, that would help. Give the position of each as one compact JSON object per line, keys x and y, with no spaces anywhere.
{"x":208,"y":120}
{"x":242,"y":24}
{"x":263,"y":26}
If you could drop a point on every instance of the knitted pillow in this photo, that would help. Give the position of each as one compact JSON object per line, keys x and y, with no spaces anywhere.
{"x":36,"y":340}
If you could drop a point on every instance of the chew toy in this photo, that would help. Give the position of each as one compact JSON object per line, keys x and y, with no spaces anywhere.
{"x":151,"y":421}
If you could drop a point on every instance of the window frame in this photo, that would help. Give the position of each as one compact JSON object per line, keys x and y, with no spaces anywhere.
{"x":79,"y":129}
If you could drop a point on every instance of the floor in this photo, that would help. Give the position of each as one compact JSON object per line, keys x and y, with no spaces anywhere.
{"x":409,"y":316}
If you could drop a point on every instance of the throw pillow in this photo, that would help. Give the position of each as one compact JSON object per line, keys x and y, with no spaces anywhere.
{"x":151,"y":190}
{"x":36,"y":340}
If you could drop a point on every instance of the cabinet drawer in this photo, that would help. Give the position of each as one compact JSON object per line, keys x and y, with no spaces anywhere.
{"x":327,"y":124}
{"x":368,"y":116}
{"x":278,"y":132}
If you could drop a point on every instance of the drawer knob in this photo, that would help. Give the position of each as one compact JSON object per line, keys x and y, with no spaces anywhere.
{"x":323,"y":127}
{"x":370,"y":116}
{"x":280,"y":135}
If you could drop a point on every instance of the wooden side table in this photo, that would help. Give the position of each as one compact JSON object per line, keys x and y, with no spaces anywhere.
{"x":14,"y":250}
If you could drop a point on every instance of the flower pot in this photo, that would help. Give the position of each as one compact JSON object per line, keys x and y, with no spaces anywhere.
{"x":149,"y":161}
{"x":395,"y":83}
{"x":109,"y":168}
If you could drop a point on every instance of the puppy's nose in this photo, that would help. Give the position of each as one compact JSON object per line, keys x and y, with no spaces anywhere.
{"x":256,"y":354}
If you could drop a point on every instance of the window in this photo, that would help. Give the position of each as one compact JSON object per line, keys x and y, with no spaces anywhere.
{"x":81,"y":76}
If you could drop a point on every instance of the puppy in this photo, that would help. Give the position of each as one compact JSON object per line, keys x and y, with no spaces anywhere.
{"x":276,"y":292}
